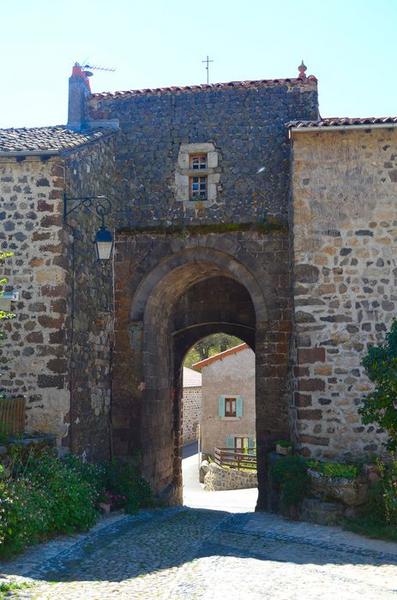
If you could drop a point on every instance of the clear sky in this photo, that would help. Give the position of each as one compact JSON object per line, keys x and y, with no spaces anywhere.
{"x":350,"y":45}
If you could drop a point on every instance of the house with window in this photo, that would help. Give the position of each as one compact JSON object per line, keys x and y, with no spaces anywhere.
{"x":191,"y":405}
{"x":228,"y":399}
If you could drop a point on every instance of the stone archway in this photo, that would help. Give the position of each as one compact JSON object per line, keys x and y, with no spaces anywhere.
{"x":186,"y":296}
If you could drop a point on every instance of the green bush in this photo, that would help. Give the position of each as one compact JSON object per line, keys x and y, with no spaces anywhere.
{"x":46,"y":496}
{"x":332,"y":469}
{"x":25,"y":513}
{"x":378,"y":517}
{"x":124,"y":480}
{"x":379,"y":406}
{"x":290,"y":473}
{"x":72,"y":499}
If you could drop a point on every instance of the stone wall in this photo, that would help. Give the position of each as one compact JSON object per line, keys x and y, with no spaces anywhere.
{"x":217,"y":479}
{"x":90,"y":172}
{"x":191,"y":411}
{"x":245,"y":125}
{"x":345,"y":232}
{"x":57,"y":353}
{"x":33,"y":356}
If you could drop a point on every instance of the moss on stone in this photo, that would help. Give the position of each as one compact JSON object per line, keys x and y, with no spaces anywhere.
{"x":269,"y":226}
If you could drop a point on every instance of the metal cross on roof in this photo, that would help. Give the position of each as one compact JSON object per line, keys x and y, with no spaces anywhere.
{"x":207,"y":61}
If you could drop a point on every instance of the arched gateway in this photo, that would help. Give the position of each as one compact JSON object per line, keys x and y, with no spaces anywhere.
{"x":192,"y":288}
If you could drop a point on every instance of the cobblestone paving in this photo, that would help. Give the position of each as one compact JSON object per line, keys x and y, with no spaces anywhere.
{"x":190,"y":554}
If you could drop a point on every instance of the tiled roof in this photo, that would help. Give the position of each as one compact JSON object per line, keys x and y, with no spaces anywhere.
{"x":191,"y":378}
{"x":259,"y":83}
{"x":220,"y":356}
{"x":39,"y":139}
{"x":342,"y":122}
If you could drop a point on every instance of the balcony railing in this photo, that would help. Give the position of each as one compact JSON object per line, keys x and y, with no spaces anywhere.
{"x":236,"y":459}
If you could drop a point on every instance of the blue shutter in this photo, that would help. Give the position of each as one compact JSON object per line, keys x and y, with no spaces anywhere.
{"x":239,"y":406}
{"x":230,"y":441}
{"x":251,"y":444}
{"x":221,"y":406}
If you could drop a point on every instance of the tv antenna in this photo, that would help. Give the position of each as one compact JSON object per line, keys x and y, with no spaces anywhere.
{"x":97,"y":68}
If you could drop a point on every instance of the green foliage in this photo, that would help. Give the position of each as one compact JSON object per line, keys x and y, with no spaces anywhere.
{"x":72,"y":499}
{"x":378,"y":517}
{"x":4,"y":431}
{"x":6,"y":587}
{"x":332,"y":469}
{"x":290,"y":473}
{"x":210,"y":345}
{"x":45,"y":496}
{"x":25,"y":515}
{"x":284,"y":443}
{"x":380,"y":405}
{"x":124,"y":480}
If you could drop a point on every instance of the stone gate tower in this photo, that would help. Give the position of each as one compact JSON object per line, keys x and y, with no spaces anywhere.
{"x":205,"y":223}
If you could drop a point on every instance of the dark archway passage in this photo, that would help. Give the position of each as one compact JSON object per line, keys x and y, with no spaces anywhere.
{"x":183,"y":298}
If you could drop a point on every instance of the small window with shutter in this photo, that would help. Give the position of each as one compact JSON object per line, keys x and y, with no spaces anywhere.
{"x":230,"y":406}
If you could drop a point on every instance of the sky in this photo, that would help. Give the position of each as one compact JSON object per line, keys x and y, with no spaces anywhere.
{"x":350,"y":45}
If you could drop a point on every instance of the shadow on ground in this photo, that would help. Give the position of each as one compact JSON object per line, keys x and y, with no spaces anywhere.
{"x":170,"y":538}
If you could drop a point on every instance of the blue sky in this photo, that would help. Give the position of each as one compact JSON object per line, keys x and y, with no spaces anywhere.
{"x":349,"y":45}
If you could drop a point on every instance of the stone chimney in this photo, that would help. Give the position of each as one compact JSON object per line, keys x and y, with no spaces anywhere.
{"x":79,"y":92}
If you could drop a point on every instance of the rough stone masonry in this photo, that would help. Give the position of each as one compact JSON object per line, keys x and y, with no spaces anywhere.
{"x":291,"y":250}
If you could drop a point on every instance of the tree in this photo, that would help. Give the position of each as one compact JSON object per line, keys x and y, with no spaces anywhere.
{"x":210,"y":345}
{"x":380,"y":405}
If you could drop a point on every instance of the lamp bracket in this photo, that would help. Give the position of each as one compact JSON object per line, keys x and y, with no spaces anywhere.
{"x":98,"y":205}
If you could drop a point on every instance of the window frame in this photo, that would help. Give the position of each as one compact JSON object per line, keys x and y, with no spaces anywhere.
{"x":195,"y":194}
{"x":231,"y":413}
{"x":202,"y":158}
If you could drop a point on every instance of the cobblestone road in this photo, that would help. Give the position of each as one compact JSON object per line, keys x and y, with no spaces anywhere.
{"x":189,"y":554}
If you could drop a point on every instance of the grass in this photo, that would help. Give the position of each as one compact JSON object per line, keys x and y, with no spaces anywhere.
{"x":331,"y":469}
{"x":372,"y":528}
{"x":5,"y":588}
{"x":269,"y":225}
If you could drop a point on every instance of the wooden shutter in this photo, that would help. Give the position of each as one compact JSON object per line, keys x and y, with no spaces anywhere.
{"x":251,"y":444}
{"x":230,"y":441}
{"x":221,"y":406}
{"x":239,"y":406}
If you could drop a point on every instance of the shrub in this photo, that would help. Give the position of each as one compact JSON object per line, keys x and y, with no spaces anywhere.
{"x":379,"y":406}
{"x":123,"y":479}
{"x":331,"y":469}
{"x":24,"y":515}
{"x":378,"y":517}
{"x":45,"y":496}
{"x":290,"y":473}
{"x":72,"y":499}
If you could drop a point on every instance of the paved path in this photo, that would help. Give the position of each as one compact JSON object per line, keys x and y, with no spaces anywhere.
{"x":200,"y":554}
{"x":192,"y":554}
{"x":196,"y":497}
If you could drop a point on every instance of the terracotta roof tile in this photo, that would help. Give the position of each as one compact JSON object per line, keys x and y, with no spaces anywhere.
{"x":342,"y":121}
{"x":38,"y":139}
{"x":220,"y":356}
{"x":259,"y":83}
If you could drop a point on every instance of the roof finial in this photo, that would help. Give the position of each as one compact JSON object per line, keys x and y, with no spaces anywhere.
{"x":302,"y":70}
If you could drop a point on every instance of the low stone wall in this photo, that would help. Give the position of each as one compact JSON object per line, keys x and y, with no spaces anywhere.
{"x":217,"y":478}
